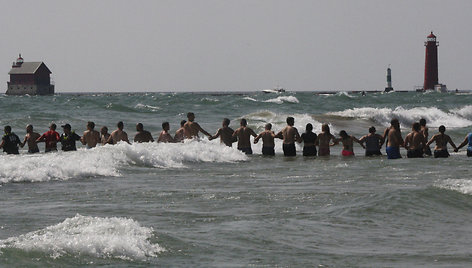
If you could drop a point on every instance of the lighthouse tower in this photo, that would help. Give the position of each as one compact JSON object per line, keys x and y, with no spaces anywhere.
{"x":431,"y":63}
{"x":389,"y":80}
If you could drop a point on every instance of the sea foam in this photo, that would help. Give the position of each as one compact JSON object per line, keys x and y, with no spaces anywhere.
{"x":282,"y":99}
{"x":460,"y":185}
{"x":110,"y":159}
{"x":120,"y":238}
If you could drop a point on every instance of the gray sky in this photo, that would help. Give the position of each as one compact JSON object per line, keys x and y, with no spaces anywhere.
{"x":236,"y":45}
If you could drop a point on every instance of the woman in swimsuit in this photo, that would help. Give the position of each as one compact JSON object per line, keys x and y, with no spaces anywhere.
{"x":348,"y":143}
{"x":309,"y":141}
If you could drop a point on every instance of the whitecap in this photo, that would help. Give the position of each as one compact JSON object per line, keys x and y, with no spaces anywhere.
{"x":282,"y":99}
{"x":113,"y":237}
{"x":147,"y":107}
{"x":249,"y":98}
{"x":463,"y":186}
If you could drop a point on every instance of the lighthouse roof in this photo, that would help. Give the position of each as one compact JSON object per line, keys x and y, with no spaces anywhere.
{"x":431,"y":35}
{"x":27,"y":68}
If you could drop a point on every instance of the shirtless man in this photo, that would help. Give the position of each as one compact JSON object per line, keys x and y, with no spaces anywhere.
{"x":91,"y":137}
{"x":243,"y":134}
{"x":441,"y":140}
{"x":142,"y":135}
{"x":165,"y":136}
{"x":348,"y":143}
{"x":31,"y":138}
{"x":394,"y":139}
{"x":51,"y":138}
{"x":225,"y":133}
{"x":191,"y":128}
{"x":424,"y":130}
{"x":104,"y":135}
{"x":290,"y":135}
{"x":324,"y":139}
{"x":414,"y":142}
{"x":268,"y":143}
{"x":179,"y":134}
{"x":118,"y":135}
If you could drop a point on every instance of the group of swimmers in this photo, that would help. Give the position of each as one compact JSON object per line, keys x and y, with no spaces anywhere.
{"x":416,"y":142}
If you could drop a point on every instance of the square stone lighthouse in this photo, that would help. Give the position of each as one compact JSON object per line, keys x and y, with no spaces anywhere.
{"x":31,"y":78}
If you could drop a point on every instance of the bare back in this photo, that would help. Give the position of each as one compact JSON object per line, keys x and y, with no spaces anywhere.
{"x":394,"y":138}
{"x":90,"y":138}
{"x":244,"y":136}
{"x":290,"y":135}
{"x":324,"y":139}
{"x":117,"y":136}
{"x":30,"y":139}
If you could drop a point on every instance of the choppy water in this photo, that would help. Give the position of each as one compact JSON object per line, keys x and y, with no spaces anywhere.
{"x":200,"y":204}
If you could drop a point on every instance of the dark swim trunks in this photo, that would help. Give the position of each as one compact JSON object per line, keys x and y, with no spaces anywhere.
{"x":371,"y":153}
{"x":33,"y":151}
{"x":268,"y":150}
{"x":469,"y":153}
{"x":246,"y":150}
{"x":441,"y":153}
{"x":418,"y":153}
{"x":289,"y":149}
{"x":393,"y":152}
{"x":427,"y":151}
{"x":309,"y":150}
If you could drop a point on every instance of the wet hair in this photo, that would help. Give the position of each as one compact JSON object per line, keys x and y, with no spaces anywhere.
{"x":53,"y":126}
{"x":165,"y":124}
{"x":442,"y":129}
{"x":182,"y":123}
{"x":104,"y":128}
{"x":139,"y":126}
{"x":120,"y":125}
{"x":7,"y":129}
{"x":268,"y":126}
{"x":394,"y":121}
{"x":190,"y":114}
{"x":416,"y":126}
{"x":243,"y":122}
{"x":343,"y":134}
{"x":372,"y":129}
{"x":29,"y":126}
{"x":91,"y":124}
{"x":290,"y":121}
{"x":325,"y":128}
{"x":226,"y":121}
{"x":423,"y":122}
{"x":309,"y":127}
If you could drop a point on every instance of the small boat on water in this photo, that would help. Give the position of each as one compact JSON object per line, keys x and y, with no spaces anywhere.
{"x":274,"y":90}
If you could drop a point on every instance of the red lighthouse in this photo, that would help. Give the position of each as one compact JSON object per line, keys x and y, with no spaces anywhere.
{"x":431,"y":63}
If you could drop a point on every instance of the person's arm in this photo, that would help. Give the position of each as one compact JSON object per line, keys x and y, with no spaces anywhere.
{"x":2,"y":144}
{"x":82,"y":140}
{"x":152,"y":139}
{"x":126,"y":137}
{"x":40,"y":139}
{"x":280,"y":135}
{"x":384,"y":136}
{"x":362,"y":139}
{"x":466,"y":140}
{"x":406,"y":142}
{"x":217,"y":134}
{"x":431,"y":140}
{"x":358,"y":141}
{"x":24,"y":142}
{"x":334,"y":140}
{"x":381,"y":140}
{"x":451,"y":142}
{"x":110,"y":139}
{"x":202,"y":130}
{"x":252,"y":133}
{"x":297,"y":136}
{"x":256,"y":140}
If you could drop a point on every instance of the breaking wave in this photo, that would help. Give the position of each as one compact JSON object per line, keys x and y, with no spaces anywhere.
{"x":109,"y":160}
{"x":460,"y":185}
{"x":282,"y":99}
{"x":114,"y":237}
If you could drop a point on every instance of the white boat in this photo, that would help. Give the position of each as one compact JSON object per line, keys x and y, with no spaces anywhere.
{"x":274,"y":90}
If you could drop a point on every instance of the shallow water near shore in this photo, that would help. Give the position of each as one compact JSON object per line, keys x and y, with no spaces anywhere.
{"x":201,"y":204}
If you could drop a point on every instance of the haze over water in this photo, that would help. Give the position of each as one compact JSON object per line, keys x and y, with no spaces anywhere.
{"x":201,"y":204}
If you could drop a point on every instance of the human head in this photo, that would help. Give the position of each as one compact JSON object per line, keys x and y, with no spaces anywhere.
{"x":268,"y":126}
{"x":416,"y":126}
{"x":226,"y":122}
{"x":165,"y":126}
{"x":29,"y":128}
{"x":190,"y":116}
{"x":120,"y":125}
{"x":104,"y":130}
{"x":290,"y":121}
{"x":90,"y":125}
{"x":66,"y":128}
{"x":372,"y":129}
{"x":343,"y":134}
{"x":243,"y":122}
{"x":395,"y":123}
{"x":52,"y":126}
{"x":182,"y":123}
{"x":309,"y":127}
{"x":423,"y":122}
{"x":139,"y":127}
{"x":7,"y":129}
{"x":325,"y":128}
{"x":442,"y":129}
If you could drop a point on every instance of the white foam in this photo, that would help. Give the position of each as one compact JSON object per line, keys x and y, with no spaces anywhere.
{"x":460,"y":185}
{"x":249,"y":98}
{"x":95,"y":236}
{"x":147,"y":107}
{"x":282,"y":99}
{"x":261,"y":118}
{"x":434,"y":116}
{"x":110,"y":159}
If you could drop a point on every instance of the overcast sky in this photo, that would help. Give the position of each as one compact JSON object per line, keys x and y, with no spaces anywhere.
{"x":201,"y":45}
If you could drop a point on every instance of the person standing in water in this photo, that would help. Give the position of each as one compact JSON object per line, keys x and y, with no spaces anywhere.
{"x":441,"y":140}
{"x":394,"y":139}
{"x":68,"y":139}
{"x":142,"y":135}
{"x":415,"y":142}
{"x":50,"y":138}
{"x":348,"y":143}
{"x":225,"y":133}
{"x":309,"y":141}
{"x":268,"y":144}
{"x":243,"y":134}
{"x":10,"y":141}
{"x":91,"y":137}
{"x":118,"y":135}
{"x":104,"y":135}
{"x":467,"y":141}
{"x":289,"y":135}
{"x":373,"y":142}
{"x":324,"y":139}
{"x":191,"y":128}
{"x":179,"y":134}
{"x":165,"y":136}
{"x":31,"y":138}
{"x":425,"y":131}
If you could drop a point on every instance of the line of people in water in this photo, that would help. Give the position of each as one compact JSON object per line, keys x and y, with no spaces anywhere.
{"x":416,"y":142}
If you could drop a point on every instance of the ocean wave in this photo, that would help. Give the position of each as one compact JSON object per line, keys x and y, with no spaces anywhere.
{"x":434,"y":116}
{"x":249,"y":98}
{"x":459,"y":185}
{"x":110,"y":159}
{"x":114,"y":237}
{"x":261,"y":118}
{"x":282,"y":99}
{"x":147,"y":107}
